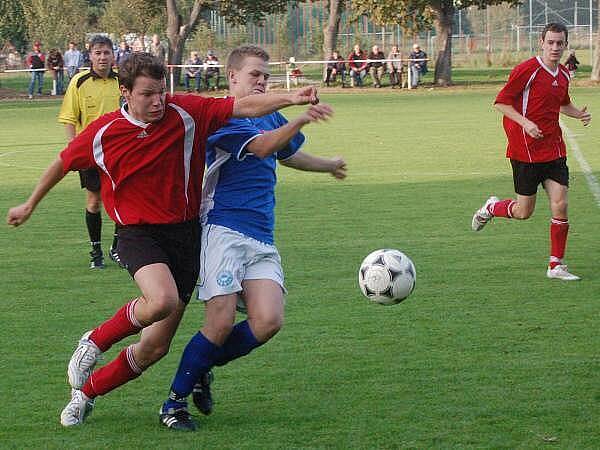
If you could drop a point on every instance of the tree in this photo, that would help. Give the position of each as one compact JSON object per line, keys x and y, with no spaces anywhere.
{"x":12,"y":24}
{"x":596,"y":66}
{"x":132,"y":16}
{"x":417,"y":15}
{"x":183,"y":19}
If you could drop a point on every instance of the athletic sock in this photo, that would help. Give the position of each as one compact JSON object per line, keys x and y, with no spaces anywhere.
{"x":240,"y":342}
{"x":116,"y":373}
{"x":115,"y":238}
{"x":197,"y":358}
{"x":94,"y":226}
{"x":559,"y":229}
{"x":118,"y":327}
{"x":503,"y":208}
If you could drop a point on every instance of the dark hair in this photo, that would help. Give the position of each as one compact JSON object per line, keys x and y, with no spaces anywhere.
{"x":555,"y":28}
{"x":101,"y":40}
{"x":239,"y":54}
{"x":140,"y":64}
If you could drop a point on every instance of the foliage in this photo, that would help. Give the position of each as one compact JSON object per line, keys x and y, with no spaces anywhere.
{"x":133,"y":16}
{"x":12,"y":24}
{"x":47,"y":21}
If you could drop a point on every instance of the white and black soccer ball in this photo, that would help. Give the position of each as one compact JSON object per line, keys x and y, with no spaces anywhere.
{"x":387,"y":276}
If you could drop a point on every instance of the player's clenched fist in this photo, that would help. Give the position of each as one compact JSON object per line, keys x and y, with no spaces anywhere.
{"x":19,"y":214}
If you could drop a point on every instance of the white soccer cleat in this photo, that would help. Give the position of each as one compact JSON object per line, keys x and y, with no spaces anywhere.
{"x":482,"y":216}
{"x":561,"y":272}
{"x":77,"y":409}
{"x":83,"y":361}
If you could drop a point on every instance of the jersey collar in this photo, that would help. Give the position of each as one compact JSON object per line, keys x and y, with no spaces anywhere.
{"x":133,"y":120}
{"x":111,"y":73}
{"x":547,"y":69}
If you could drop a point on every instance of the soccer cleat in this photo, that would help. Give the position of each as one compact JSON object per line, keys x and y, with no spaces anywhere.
{"x":77,"y":409}
{"x":483,"y":215}
{"x":114,"y":255}
{"x":83,"y":361}
{"x":201,"y":394}
{"x":96,"y":259}
{"x":176,"y":419}
{"x":560,"y":272}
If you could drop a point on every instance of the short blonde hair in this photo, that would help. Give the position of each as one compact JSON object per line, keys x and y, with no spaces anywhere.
{"x":236,"y":58}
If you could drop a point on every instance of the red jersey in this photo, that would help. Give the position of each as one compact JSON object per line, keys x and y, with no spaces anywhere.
{"x":151,"y":173}
{"x":537,"y":93}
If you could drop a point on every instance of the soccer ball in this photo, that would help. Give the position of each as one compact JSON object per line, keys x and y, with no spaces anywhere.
{"x":387,"y":276}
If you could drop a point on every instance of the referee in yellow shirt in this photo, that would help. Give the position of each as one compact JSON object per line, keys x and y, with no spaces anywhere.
{"x":92,"y":93}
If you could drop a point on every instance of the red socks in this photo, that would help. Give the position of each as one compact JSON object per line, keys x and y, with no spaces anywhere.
{"x":111,"y":376}
{"x":118,"y":327}
{"x":559,"y":229}
{"x":503,"y":208}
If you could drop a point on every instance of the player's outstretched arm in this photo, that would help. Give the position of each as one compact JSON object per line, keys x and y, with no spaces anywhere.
{"x":274,"y":140}
{"x":336,"y":166}
{"x":573,"y":111}
{"x":530,"y":128}
{"x":262,"y":104}
{"x":53,"y":174}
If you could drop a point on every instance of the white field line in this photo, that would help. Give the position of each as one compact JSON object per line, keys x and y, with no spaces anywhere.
{"x":585,"y":167}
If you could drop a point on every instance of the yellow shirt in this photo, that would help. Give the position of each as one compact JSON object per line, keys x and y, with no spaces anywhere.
{"x":88,"y":97}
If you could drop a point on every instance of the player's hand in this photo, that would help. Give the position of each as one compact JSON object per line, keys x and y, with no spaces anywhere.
{"x":18,"y":215}
{"x":338,"y":167}
{"x":305,"y":96}
{"x":316,"y":113}
{"x":585,"y":116}
{"x":532,"y":130}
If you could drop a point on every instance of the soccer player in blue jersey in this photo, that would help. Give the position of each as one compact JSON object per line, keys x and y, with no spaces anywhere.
{"x":240,"y":265}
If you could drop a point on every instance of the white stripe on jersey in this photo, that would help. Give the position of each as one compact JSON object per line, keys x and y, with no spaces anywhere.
{"x":188,"y":143}
{"x":211,"y":178}
{"x":524,"y":107}
{"x":98,"y":152}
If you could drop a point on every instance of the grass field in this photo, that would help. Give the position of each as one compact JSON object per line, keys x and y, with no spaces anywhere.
{"x":487,"y":353}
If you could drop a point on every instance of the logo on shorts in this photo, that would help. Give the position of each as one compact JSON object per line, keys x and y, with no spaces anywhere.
{"x":225,"y":278}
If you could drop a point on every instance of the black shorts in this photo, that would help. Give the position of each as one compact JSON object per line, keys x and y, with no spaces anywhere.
{"x":90,"y":179}
{"x":527,"y":176}
{"x":176,"y":245}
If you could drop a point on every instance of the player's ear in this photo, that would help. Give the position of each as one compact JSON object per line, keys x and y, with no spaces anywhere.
{"x":231,"y":77}
{"x":125,"y":92}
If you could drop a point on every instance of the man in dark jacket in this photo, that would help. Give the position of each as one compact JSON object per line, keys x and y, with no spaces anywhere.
{"x":36,"y":60}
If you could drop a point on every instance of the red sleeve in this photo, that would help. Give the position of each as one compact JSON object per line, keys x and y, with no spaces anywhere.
{"x":78,"y":154}
{"x":212,"y":113}
{"x":515,"y":85}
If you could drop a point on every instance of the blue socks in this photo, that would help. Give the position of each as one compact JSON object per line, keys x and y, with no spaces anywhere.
{"x":240,"y":342}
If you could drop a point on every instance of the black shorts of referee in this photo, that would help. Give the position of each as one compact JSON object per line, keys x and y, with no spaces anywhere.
{"x":528,"y":176}
{"x":176,"y":245}
{"x":90,"y":180}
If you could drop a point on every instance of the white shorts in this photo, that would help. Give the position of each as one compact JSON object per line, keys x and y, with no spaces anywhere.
{"x":228,"y":257}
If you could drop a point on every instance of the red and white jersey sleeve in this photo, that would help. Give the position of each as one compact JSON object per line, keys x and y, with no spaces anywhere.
{"x":536,"y":92}
{"x":150,"y":173}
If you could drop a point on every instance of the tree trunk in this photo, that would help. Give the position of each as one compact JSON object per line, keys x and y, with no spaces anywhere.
{"x":443,"y":27}
{"x":596,"y":63}
{"x":331,"y":30}
{"x":178,"y":32}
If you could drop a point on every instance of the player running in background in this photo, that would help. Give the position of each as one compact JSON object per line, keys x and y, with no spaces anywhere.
{"x":90,"y":94}
{"x":239,"y":264}
{"x":151,"y":156}
{"x":536,"y":92}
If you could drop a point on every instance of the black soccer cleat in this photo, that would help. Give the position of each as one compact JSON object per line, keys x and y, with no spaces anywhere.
{"x":96,"y":259}
{"x":114,"y":255}
{"x":177,"y":419}
{"x":201,"y":394}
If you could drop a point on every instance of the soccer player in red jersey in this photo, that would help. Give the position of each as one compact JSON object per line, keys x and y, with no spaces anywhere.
{"x":150,"y":155}
{"x":536,"y":92}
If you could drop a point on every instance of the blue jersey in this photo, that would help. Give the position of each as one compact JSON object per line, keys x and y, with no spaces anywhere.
{"x":239,"y":187}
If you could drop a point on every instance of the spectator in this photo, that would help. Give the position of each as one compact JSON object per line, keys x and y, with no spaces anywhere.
{"x":56,"y":65}
{"x":73,"y":59}
{"x":571,"y":63}
{"x":36,"y":60}
{"x":417,"y":68}
{"x":336,"y":66}
{"x":193,"y":72}
{"x":395,"y":67}
{"x":294,"y":70}
{"x":358,"y":66}
{"x":85,"y":57}
{"x":158,"y":49}
{"x":122,"y":53}
{"x":376,"y":68}
{"x":211,"y":70}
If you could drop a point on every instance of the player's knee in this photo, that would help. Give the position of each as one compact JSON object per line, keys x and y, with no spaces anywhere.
{"x":266,"y":326}
{"x":559,"y":208}
{"x":162,"y":304}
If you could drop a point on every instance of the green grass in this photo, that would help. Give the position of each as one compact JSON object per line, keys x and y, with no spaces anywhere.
{"x":487,"y":353}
